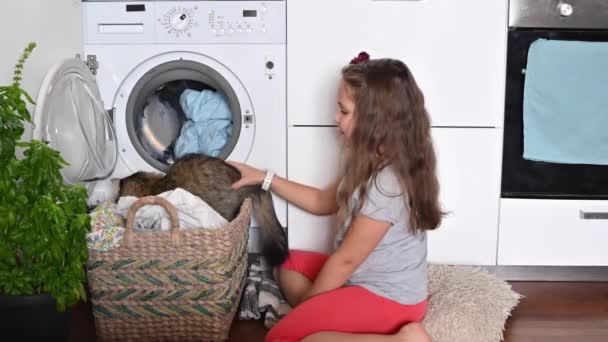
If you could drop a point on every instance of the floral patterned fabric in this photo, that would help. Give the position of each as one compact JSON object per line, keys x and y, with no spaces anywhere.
{"x":107,"y":228}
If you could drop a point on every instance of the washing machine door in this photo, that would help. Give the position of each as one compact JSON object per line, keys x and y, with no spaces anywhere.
{"x":71,"y":117}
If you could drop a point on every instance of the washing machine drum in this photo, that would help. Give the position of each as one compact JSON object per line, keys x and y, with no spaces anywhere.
{"x":181,"y":107}
{"x":71,"y":118}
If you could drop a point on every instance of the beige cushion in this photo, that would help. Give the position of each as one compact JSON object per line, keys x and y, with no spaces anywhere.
{"x":467,"y":304}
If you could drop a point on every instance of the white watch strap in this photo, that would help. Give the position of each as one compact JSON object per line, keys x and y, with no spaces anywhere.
{"x":267,"y":180}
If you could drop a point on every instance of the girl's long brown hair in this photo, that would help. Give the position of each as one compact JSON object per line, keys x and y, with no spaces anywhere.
{"x":392,"y":127}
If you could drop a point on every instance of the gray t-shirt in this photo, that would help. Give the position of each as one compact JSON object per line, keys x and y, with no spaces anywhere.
{"x":396,"y":268}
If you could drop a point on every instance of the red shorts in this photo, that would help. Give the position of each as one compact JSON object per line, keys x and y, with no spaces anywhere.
{"x":351,"y":309}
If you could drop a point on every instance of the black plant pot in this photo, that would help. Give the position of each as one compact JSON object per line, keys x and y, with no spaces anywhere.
{"x":27,"y":318}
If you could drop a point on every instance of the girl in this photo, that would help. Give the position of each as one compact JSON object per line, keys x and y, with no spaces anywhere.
{"x":374,"y":285}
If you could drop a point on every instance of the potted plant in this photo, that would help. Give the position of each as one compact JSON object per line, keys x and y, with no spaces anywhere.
{"x":43,"y":226}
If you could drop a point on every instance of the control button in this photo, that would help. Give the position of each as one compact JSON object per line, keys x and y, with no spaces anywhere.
{"x":270,"y":67}
{"x":565,"y":9}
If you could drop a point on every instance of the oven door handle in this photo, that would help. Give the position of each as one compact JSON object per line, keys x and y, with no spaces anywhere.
{"x":594,"y":215}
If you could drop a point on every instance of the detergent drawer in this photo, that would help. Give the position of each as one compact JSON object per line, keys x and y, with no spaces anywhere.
{"x":118,"y":23}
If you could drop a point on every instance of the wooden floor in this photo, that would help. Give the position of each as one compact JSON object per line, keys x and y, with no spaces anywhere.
{"x":560,"y":312}
{"x":550,"y":312}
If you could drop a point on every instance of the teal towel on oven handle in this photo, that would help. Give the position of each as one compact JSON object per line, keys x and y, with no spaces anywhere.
{"x":566,"y":102}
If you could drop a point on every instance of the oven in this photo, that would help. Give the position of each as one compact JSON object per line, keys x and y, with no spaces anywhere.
{"x":563,"y":22}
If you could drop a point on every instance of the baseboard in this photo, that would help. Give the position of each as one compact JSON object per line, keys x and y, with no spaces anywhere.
{"x":550,"y":273}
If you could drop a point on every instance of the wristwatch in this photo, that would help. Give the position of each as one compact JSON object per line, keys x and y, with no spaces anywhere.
{"x":267,"y":180}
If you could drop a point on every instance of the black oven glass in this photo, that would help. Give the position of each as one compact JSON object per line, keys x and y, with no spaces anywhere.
{"x":523,"y":178}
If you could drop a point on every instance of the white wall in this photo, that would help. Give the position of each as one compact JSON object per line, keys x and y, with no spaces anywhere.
{"x":55,"y":25}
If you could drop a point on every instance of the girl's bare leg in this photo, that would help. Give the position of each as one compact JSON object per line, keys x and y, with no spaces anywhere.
{"x":293,"y":284}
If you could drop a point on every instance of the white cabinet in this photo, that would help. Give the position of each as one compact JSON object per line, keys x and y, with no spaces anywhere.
{"x":313,"y":159}
{"x":553,"y":232}
{"x":455,"y":49}
{"x":469,"y":176}
{"x":469,"y":173}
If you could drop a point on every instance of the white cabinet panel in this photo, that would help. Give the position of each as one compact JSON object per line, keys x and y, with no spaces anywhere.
{"x":455,"y":49}
{"x":313,"y":159}
{"x":469,"y":172}
{"x":469,"y":177}
{"x":553,"y":232}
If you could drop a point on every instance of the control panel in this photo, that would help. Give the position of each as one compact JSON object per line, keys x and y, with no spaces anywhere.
{"x":221,"y":21}
{"x":244,"y":21}
{"x":182,"y":22}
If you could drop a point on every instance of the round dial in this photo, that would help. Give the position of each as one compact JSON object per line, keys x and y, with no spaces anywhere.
{"x":180,"y":20}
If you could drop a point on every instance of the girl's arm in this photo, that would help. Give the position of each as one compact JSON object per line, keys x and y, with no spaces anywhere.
{"x":315,"y":201}
{"x":363,"y":235}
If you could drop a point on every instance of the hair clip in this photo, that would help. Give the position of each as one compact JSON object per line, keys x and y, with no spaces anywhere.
{"x":362,"y":57}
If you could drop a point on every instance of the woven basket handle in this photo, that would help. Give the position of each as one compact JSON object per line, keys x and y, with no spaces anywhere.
{"x":153,"y":200}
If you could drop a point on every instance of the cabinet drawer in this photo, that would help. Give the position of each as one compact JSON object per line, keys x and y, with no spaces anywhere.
{"x":553,"y":232}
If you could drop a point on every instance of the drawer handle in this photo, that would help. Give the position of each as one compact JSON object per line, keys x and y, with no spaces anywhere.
{"x":594,"y":215}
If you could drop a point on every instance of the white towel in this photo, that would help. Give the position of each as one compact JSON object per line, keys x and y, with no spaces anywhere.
{"x":193,"y":212}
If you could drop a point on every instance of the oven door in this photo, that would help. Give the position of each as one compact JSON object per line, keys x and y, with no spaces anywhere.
{"x":522,"y":178}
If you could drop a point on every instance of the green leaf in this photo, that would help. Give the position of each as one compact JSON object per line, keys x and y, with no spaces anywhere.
{"x":43,"y":222}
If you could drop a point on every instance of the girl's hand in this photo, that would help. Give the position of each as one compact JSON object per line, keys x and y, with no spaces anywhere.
{"x":249,"y":175}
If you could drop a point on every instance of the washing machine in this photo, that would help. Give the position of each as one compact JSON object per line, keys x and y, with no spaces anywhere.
{"x":96,"y":108}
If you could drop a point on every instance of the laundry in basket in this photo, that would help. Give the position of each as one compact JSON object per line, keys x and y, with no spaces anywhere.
{"x":170,"y":285}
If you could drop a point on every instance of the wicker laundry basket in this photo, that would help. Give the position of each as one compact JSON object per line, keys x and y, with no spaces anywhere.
{"x":174,"y":285}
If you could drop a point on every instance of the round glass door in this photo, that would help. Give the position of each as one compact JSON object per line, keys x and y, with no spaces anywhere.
{"x":71,"y":117}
